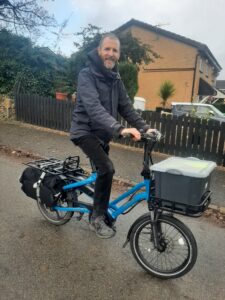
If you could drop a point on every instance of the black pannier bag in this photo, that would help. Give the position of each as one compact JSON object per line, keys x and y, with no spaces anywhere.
{"x":28,"y":178}
{"x":50,"y":186}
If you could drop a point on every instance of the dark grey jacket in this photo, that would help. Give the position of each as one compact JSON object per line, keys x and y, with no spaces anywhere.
{"x":100,"y":96}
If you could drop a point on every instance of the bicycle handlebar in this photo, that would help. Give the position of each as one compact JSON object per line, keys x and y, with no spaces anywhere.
{"x":154,"y":136}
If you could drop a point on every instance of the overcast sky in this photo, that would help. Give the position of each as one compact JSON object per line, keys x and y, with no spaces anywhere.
{"x":200,"y":20}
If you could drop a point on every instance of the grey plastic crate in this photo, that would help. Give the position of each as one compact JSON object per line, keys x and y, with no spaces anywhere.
{"x":182,"y":180}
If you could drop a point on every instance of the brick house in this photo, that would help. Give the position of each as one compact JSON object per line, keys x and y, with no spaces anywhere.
{"x":188,"y":64}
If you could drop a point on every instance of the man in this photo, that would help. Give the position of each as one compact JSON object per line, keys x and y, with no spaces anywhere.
{"x":100,"y":96}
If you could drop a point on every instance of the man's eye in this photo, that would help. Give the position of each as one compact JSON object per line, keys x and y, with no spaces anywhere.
{"x":108,"y":49}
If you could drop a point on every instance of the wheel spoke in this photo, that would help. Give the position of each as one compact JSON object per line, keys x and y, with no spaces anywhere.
{"x":57,"y":213}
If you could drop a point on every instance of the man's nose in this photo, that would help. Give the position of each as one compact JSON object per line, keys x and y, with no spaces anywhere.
{"x":111,"y":52}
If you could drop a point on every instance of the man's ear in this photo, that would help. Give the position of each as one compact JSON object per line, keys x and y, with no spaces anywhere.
{"x":99,"y":50}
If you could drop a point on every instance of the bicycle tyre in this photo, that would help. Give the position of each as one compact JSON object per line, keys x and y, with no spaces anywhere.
{"x":183,"y":239}
{"x":56,"y":217}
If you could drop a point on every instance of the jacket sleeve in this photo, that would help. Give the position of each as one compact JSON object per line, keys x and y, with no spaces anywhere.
{"x":128,"y":112}
{"x":90,"y":99}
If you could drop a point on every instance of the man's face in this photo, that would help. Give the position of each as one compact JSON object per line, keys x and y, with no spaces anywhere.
{"x":109,"y":52}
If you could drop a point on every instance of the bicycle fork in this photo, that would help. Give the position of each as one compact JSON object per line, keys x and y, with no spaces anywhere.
{"x":155,"y":232}
{"x":156,"y":235}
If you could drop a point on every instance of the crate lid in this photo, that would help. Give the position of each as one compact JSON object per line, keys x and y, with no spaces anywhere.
{"x":189,"y":166}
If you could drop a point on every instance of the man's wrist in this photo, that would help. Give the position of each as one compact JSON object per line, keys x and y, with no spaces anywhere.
{"x":117,"y":130}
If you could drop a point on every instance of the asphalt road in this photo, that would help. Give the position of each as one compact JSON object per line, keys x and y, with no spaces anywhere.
{"x":42,"y":261}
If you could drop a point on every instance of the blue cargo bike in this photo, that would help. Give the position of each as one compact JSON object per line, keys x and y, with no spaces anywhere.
{"x":162,"y":245}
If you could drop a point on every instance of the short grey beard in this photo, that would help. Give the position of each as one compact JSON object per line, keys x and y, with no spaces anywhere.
{"x":112,"y":66}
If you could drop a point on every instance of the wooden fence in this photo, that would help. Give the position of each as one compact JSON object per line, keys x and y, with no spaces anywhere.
{"x":43,"y":111}
{"x":183,"y":136}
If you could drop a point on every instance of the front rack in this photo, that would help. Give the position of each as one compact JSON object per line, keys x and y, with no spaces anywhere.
{"x":56,"y":166}
{"x":183,"y":208}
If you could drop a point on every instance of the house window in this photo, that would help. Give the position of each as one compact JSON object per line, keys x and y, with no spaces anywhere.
{"x":201,"y":65}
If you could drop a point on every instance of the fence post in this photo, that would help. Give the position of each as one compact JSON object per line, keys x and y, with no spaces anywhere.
{"x":221,"y":146}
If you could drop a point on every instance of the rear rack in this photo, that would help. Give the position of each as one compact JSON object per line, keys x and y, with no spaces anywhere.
{"x":183,"y":208}
{"x":56,"y":166}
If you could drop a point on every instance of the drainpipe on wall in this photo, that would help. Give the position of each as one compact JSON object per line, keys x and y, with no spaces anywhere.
{"x":193,"y":84}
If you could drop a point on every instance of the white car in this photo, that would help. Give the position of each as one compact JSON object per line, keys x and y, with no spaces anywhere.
{"x":199,"y":110}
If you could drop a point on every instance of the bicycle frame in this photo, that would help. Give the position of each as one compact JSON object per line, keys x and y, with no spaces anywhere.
{"x":114,"y":210}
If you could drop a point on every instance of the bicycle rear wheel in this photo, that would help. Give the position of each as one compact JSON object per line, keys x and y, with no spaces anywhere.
{"x":54,"y":216}
{"x":178,"y":252}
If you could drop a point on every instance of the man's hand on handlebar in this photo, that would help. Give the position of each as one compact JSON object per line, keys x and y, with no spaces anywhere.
{"x":137,"y":135}
{"x":132,"y":132}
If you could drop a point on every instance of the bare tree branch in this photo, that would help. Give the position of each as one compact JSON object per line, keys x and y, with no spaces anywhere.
{"x":24,"y":15}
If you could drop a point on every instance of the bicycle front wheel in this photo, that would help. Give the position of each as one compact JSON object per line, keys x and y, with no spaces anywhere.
{"x":54,"y":216}
{"x":177,"y":253}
